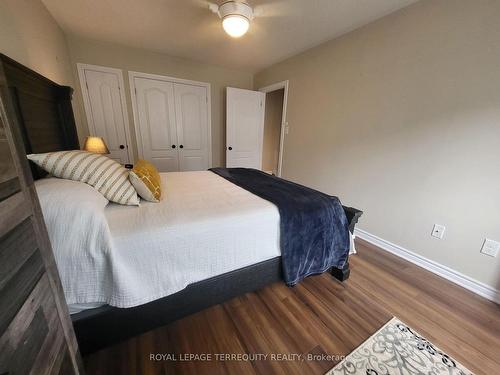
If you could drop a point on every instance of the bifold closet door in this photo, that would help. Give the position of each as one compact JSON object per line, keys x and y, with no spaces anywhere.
{"x":172,"y":124}
{"x":192,"y":126}
{"x":157,"y":130}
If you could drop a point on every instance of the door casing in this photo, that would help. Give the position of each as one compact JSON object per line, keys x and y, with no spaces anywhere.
{"x":284,"y":122}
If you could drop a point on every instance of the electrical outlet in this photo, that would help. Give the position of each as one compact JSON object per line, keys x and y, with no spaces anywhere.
{"x":490,"y":247}
{"x":438,"y":231}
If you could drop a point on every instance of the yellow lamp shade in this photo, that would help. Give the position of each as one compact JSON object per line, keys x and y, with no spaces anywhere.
{"x":95,"y":145}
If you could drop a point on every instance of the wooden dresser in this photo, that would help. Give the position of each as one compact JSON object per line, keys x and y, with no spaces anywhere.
{"x":36,"y":335}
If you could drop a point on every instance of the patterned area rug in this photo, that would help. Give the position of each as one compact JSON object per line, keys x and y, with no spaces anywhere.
{"x":398,"y":349}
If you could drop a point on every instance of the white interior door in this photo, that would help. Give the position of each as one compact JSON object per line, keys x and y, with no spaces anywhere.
{"x":156,"y":129}
{"x":244,"y":128}
{"x":192,"y":126}
{"x":104,"y":102}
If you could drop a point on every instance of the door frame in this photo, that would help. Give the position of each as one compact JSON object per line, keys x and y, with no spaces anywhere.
{"x":86,"y":100}
{"x":284,"y":122}
{"x":132,"y":75}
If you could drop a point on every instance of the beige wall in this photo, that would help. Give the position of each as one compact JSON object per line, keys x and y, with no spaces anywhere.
{"x":272,"y":130}
{"x":401,"y":118}
{"x":131,"y":59}
{"x":30,"y":35}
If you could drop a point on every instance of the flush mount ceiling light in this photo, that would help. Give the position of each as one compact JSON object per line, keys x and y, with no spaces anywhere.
{"x":236,"y":17}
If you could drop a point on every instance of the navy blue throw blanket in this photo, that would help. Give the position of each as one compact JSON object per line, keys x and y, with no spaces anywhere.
{"x":314,"y":231}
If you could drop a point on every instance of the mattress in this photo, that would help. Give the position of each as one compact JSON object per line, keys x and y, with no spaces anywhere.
{"x":203,"y":226}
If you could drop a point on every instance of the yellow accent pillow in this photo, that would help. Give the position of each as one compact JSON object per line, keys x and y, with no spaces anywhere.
{"x":146,"y":180}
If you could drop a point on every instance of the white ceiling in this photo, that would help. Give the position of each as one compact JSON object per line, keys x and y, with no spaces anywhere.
{"x":187,"y":28}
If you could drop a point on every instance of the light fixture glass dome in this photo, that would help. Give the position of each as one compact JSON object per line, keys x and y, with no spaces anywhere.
{"x":235,"y":25}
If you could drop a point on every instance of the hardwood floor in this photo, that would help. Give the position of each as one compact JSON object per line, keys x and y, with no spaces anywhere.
{"x":319,"y":316}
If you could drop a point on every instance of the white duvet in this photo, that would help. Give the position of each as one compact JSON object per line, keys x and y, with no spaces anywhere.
{"x":125,"y":256}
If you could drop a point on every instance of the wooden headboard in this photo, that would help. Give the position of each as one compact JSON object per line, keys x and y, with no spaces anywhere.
{"x":40,"y":108}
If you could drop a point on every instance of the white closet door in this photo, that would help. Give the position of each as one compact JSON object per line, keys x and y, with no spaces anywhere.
{"x":192,"y":126}
{"x":244,"y":127}
{"x":105,"y":108}
{"x":156,"y":131}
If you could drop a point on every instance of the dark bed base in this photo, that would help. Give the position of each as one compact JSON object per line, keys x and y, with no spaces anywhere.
{"x":103,"y":326}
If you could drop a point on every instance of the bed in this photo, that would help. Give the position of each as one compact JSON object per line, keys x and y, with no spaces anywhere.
{"x":205,"y":227}
{"x":202,"y":213}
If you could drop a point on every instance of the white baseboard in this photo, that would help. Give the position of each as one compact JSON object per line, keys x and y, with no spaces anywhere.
{"x":456,"y":277}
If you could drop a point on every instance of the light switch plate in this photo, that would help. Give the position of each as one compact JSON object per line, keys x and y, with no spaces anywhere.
{"x":490,"y":247}
{"x":438,"y":231}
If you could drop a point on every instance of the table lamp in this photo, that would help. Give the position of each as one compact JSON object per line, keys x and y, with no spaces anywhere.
{"x":95,"y":145}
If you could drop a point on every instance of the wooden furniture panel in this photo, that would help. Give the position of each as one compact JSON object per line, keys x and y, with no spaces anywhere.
{"x":19,"y":272}
{"x":42,"y":106}
{"x":34,"y":340}
{"x":9,"y":183}
{"x":42,"y":112}
{"x":36,"y":335}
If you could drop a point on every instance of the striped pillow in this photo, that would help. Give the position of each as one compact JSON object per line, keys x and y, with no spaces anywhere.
{"x":106,"y":175}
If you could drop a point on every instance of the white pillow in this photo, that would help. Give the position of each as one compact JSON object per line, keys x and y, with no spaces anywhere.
{"x":99,"y":171}
{"x":57,"y":194}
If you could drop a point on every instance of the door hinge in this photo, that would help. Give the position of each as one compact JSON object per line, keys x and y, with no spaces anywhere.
{"x":87,"y":84}
{"x":261,"y":103}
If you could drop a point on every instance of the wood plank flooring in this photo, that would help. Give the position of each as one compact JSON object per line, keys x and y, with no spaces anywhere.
{"x":320,"y":316}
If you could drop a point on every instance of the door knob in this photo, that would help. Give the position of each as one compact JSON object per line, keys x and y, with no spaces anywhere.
{"x":122,"y":147}
{"x":229,"y":148}
{"x":173,"y":146}
{"x":181,"y":146}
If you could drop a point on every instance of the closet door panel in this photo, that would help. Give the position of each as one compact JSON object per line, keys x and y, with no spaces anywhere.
{"x":105,"y":111}
{"x":192,"y":126}
{"x":157,"y":132}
